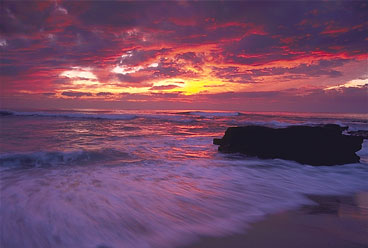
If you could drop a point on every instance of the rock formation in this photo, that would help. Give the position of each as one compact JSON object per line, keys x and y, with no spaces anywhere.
{"x":313,"y":145}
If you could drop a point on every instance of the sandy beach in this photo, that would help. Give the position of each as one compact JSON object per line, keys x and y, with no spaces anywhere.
{"x":335,"y":221}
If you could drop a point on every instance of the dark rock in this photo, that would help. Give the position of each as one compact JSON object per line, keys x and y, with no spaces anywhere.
{"x":5,"y":113}
{"x":361,"y":133}
{"x":217,"y":141}
{"x":314,"y":145}
{"x":335,"y":127}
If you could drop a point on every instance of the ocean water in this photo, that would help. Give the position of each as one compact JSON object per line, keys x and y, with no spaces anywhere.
{"x":149,"y":179}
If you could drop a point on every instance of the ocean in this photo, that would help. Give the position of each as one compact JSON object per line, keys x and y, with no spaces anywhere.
{"x":93,"y":178}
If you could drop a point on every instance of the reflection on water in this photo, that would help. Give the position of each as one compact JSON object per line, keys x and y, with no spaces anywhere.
{"x":154,"y":180}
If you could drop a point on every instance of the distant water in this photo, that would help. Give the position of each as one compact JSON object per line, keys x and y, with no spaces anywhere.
{"x":148,"y":179}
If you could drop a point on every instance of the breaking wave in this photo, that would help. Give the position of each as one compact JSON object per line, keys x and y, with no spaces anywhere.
{"x":58,"y":158}
{"x":355,"y":122}
{"x":71,"y":115}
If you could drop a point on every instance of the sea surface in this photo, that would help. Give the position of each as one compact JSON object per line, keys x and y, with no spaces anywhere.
{"x":141,"y":179}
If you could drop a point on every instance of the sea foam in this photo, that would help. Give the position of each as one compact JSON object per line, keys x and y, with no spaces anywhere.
{"x":58,"y":158}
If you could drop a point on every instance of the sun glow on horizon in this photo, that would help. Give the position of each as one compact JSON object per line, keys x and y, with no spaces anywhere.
{"x":194,"y":55}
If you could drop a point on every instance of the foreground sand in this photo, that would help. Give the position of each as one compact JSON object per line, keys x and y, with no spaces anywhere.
{"x":335,"y":221}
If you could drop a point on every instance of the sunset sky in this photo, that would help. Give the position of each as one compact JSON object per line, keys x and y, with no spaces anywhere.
{"x":255,"y":56}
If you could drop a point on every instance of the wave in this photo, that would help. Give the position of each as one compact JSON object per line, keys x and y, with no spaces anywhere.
{"x":234,"y":118}
{"x":282,"y":124}
{"x":160,"y":205}
{"x":108,"y":116}
{"x":59,"y":158}
{"x":71,"y":115}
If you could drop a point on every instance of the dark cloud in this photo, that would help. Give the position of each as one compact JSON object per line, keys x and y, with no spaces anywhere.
{"x":349,"y":100}
{"x":254,"y":44}
{"x":112,"y":13}
{"x":245,"y":95}
{"x":136,"y":57}
{"x":21,"y":17}
{"x":168,"y":70}
{"x":164,"y":87}
{"x":13,"y":70}
{"x":104,"y":94}
{"x":321,"y":68}
{"x":75,"y":94}
{"x":136,"y":80}
{"x":195,"y":59}
{"x":148,"y":97}
{"x":48,"y":94}
{"x":233,"y":74}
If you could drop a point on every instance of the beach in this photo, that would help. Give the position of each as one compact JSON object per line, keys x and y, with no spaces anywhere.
{"x":335,"y":221}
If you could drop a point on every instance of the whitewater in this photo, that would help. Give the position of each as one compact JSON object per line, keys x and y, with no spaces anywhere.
{"x":101,"y":178}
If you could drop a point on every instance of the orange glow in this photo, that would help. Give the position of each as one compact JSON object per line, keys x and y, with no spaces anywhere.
{"x":204,"y":80}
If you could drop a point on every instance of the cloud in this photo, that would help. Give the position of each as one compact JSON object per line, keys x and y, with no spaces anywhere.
{"x":104,"y":94}
{"x":48,"y":94}
{"x":193,"y":58}
{"x":355,"y":83}
{"x":61,"y":10}
{"x":136,"y":57}
{"x":79,"y":73}
{"x":165,"y":87}
{"x":345,"y":100}
{"x":217,"y":46}
{"x":136,"y":80}
{"x":3,"y":43}
{"x":254,"y":44}
{"x":75,"y":94}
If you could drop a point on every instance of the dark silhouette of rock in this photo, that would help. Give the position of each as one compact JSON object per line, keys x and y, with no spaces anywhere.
{"x":361,"y":133}
{"x":314,"y":145}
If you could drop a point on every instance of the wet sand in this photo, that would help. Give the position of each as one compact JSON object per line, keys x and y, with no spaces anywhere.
{"x":335,"y":221}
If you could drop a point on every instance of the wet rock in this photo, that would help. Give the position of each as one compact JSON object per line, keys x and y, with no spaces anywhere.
{"x":361,"y":133}
{"x":313,"y":145}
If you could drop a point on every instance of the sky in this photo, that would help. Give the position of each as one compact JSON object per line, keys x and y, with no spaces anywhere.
{"x":220,"y":55}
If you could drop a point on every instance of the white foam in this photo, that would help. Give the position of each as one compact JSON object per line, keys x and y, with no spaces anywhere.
{"x":160,"y":204}
{"x":58,"y":158}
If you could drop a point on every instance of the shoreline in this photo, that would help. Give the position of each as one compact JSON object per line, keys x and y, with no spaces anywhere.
{"x":335,"y":221}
